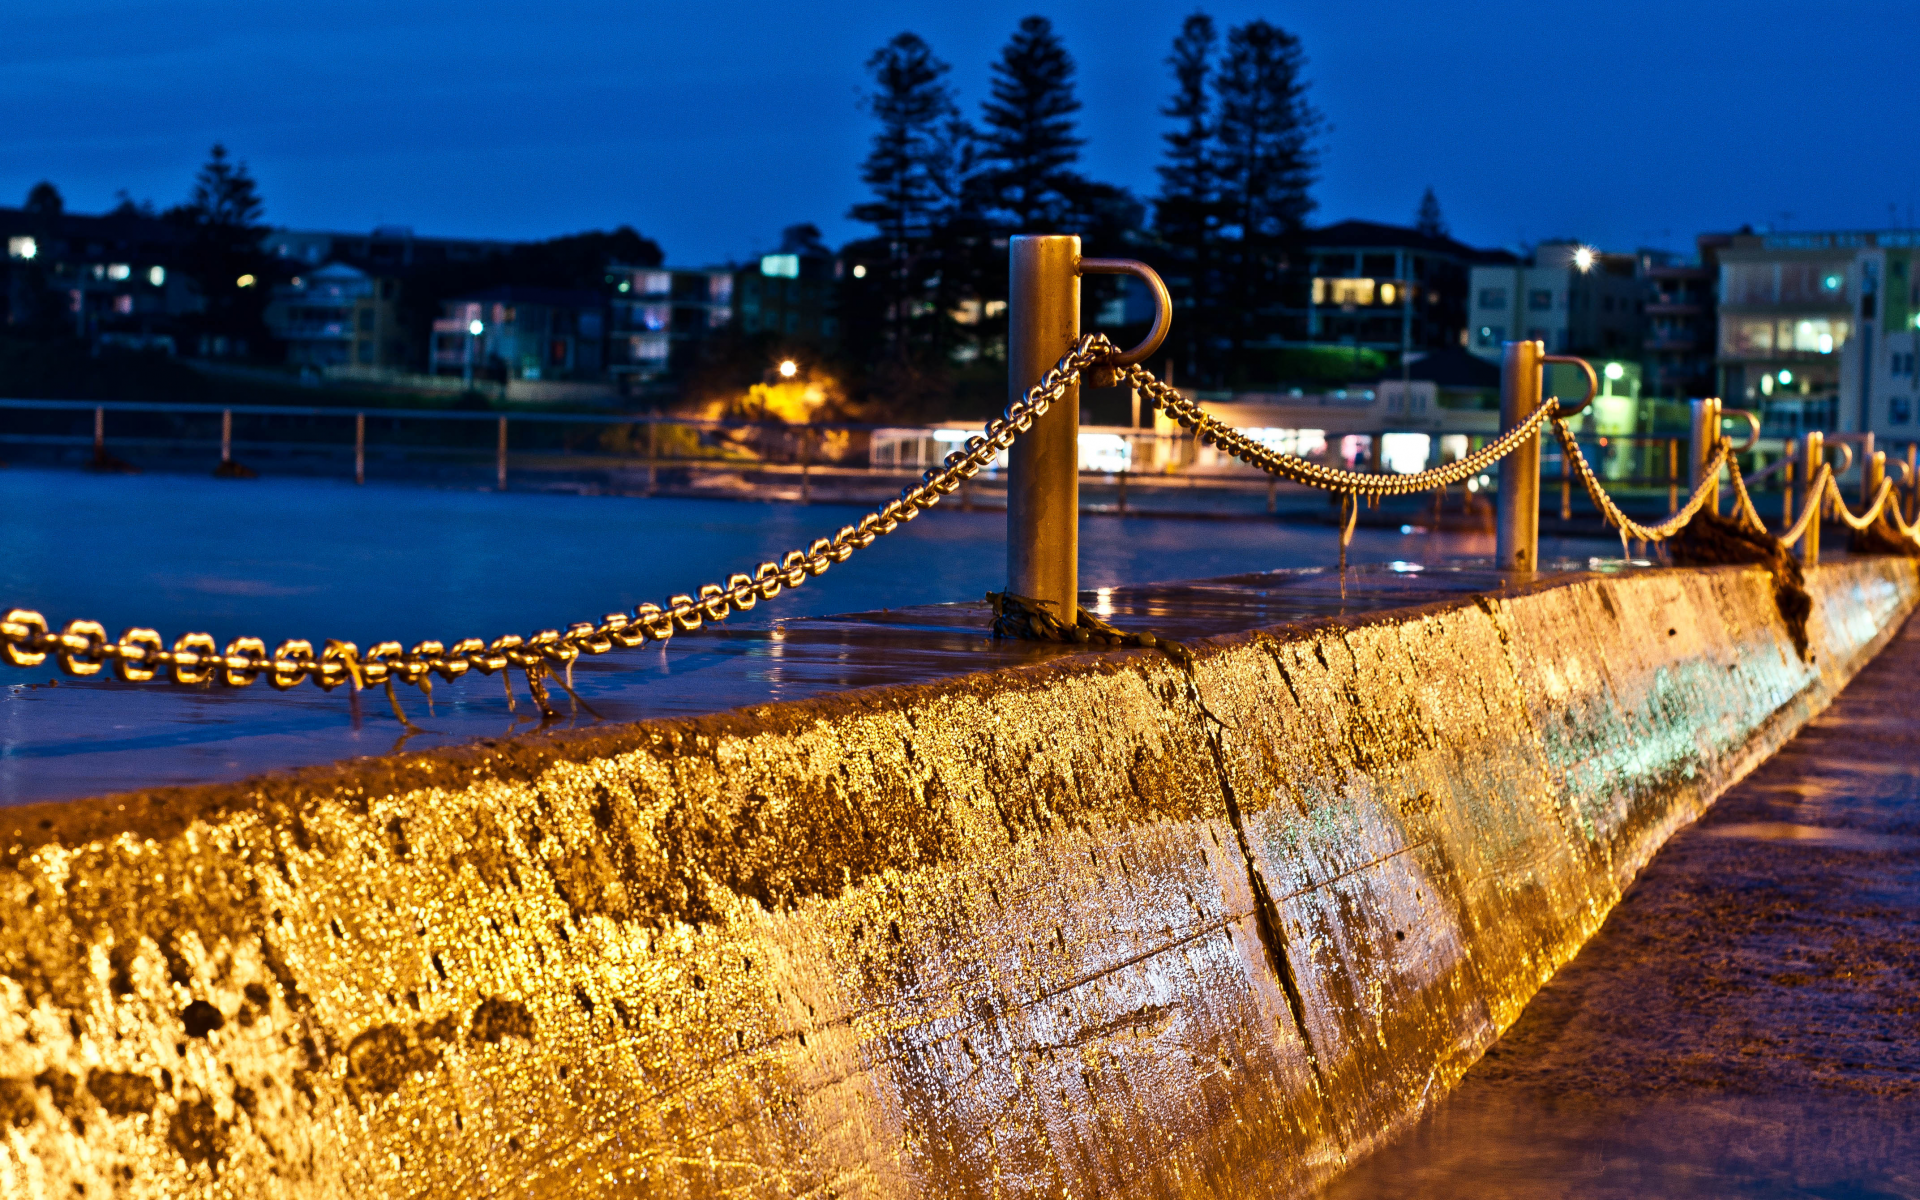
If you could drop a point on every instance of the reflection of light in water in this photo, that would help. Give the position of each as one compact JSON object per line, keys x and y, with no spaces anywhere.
{"x":1398,"y":565}
{"x":1103,"y":602}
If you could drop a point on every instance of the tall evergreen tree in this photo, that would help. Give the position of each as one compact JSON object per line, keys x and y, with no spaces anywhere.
{"x":1428,"y":220}
{"x":1187,"y":209}
{"x":225,"y":213}
{"x":911,"y":169}
{"x":1029,"y":142}
{"x":1265,"y":163}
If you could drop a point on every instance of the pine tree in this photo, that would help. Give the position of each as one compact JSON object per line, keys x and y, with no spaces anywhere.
{"x":912,"y":169}
{"x":1265,"y":163}
{"x":913,"y":103}
{"x":1188,"y":206}
{"x":1428,"y":220}
{"x":225,"y":213}
{"x":1029,"y":143}
{"x":43,"y":199}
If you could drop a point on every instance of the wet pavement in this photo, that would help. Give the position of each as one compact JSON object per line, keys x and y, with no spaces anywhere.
{"x":70,"y":739}
{"x":1746,"y":1023}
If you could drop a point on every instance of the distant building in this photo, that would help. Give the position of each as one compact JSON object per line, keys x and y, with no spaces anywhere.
{"x":790,"y":293}
{"x":119,"y":273}
{"x":660,"y":316}
{"x":1817,"y":330}
{"x":1388,"y":288}
{"x":1683,"y":321}
{"x":521,"y":333}
{"x":1576,"y":299}
{"x":337,"y":315}
{"x":388,"y":250}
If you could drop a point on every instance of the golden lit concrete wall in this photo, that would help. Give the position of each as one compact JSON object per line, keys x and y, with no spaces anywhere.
{"x":1090,"y":927}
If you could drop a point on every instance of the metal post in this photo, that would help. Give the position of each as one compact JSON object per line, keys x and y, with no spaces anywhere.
{"x":1871,"y":474}
{"x":359,"y":447}
{"x":1866,"y":462}
{"x":99,"y":435}
{"x":1705,"y":433}
{"x":1816,"y":450}
{"x":500,"y":457}
{"x":653,"y":456}
{"x":226,"y":436}
{"x":1517,"y":520}
{"x":1043,"y":476}
{"x":1673,"y":476}
{"x":806,"y":465}
{"x":1786,"y":484}
{"x":1912,"y":504}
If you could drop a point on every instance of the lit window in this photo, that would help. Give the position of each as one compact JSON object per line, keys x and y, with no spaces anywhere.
{"x":157,"y":276}
{"x":22,"y":247}
{"x":859,"y":270}
{"x":119,"y":271}
{"x":123,"y":304}
{"x":1343,"y":291}
{"x":1387,"y":293}
{"x":780,"y":266}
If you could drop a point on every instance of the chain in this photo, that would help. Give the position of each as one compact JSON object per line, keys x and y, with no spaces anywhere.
{"x":1213,"y":431}
{"x":139,"y":655}
{"x":1628,"y":527}
{"x":83,"y":648}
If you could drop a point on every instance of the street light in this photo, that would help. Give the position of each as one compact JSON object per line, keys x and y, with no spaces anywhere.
{"x":474,"y":329}
{"x":789,"y":368}
{"x":1583,"y":259}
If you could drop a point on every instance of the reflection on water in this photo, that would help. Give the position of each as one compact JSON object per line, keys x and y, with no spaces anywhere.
{"x":1837,"y":1147}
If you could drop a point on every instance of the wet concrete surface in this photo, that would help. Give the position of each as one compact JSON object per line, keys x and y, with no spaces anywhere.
{"x":1747,"y":1022}
{"x":66,"y":739}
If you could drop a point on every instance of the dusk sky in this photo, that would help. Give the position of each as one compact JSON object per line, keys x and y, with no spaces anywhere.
{"x":711,"y":126}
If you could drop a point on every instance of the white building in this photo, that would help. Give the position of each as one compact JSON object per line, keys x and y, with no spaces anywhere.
{"x":1576,"y":299}
{"x":1817,"y":330}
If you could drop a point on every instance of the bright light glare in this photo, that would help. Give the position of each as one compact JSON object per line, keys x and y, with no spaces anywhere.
{"x":1583,"y":258}
{"x":1616,"y":371}
{"x":245,"y":281}
{"x":859,"y":270}
{"x":157,"y":276}
{"x":789,"y":368}
{"x":1786,"y":377}
{"x":477,"y":328}
{"x":1826,"y":343}
{"x":22,"y":247}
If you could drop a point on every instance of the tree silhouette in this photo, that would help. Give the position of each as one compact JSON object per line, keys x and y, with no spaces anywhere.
{"x":918,"y":153}
{"x":1428,"y":220}
{"x":1265,"y":164}
{"x":1029,"y":142}
{"x":43,"y":200}
{"x":1188,"y":208}
{"x":224,"y":214}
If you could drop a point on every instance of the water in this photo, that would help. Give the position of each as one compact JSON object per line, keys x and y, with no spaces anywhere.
{"x":318,"y":559}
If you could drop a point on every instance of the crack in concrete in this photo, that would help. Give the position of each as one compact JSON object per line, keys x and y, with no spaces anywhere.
{"x":1266,"y":914}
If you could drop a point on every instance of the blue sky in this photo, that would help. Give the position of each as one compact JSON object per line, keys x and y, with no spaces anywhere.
{"x":710,"y":126}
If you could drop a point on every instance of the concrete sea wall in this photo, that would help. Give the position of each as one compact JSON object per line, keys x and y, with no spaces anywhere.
{"x":1097,"y":926}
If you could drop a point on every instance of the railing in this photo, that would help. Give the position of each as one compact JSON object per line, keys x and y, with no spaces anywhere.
{"x":1039,"y":429}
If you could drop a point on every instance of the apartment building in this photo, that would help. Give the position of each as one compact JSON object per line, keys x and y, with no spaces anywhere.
{"x":1573,"y":297}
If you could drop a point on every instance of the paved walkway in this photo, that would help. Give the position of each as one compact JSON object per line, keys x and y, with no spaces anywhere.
{"x":1747,"y":1023}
